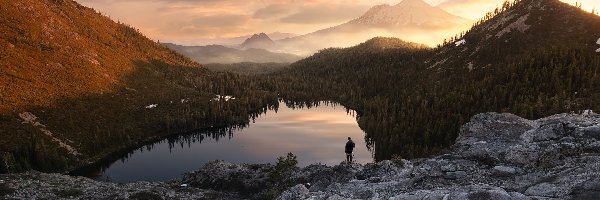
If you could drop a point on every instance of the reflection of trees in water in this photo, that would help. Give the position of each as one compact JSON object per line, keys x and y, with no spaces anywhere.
{"x":197,"y":137}
{"x":369,"y":141}
{"x":222,"y":132}
{"x":215,"y":133}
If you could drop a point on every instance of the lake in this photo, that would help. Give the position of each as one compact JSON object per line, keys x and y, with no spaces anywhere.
{"x":314,"y":135}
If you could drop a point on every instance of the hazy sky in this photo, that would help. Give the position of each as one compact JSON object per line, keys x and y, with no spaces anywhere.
{"x":188,"y":20}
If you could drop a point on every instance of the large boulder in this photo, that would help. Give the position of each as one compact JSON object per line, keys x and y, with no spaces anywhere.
{"x":220,"y":175}
{"x":297,"y":192}
{"x":488,"y":136}
{"x":495,"y":138}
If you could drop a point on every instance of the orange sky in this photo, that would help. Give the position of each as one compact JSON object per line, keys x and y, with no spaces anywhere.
{"x":183,"y":21}
{"x":474,"y":9}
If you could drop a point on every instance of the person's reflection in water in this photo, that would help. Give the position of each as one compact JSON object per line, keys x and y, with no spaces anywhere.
{"x":349,"y":149}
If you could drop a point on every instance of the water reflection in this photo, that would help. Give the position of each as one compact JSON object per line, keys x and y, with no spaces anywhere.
{"x":316,"y":133}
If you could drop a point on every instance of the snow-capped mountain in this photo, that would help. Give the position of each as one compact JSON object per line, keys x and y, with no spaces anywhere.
{"x":408,"y":13}
{"x":410,"y":20}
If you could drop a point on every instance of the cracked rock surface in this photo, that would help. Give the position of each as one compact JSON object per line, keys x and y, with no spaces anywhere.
{"x":496,"y":156}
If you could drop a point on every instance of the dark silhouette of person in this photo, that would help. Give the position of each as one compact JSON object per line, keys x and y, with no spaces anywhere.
{"x":349,"y":149}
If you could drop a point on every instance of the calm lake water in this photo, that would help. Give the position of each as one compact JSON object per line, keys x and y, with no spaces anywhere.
{"x":315,"y":135}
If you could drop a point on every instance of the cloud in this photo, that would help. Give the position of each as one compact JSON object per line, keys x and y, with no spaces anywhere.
{"x":221,"y":20}
{"x":475,"y":9}
{"x":471,"y":9}
{"x":324,"y":14}
{"x":467,"y":2}
{"x":167,"y":1}
{"x":273,"y":11}
{"x":187,"y":20}
{"x":206,"y":26}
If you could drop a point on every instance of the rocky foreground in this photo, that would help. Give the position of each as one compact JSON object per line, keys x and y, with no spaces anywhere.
{"x":496,"y":156}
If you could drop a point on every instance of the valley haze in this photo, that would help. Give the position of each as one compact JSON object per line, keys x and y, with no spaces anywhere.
{"x":194,"y":23}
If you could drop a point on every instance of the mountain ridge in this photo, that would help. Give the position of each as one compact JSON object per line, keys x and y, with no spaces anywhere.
{"x":521,"y":29}
{"x":212,"y":54}
{"x":410,"y":20}
{"x":409,"y":98}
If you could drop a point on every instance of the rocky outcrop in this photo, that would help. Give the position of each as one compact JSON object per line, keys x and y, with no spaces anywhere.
{"x":220,"y":175}
{"x":496,"y":156}
{"x":37,"y":185}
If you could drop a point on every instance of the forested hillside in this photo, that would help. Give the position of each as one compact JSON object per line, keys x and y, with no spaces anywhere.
{"x":531,"y":57}
{"x":248,"y":68}
{"x":76,"y":86}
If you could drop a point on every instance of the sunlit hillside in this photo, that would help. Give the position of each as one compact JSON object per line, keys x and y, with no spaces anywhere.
{"x":77,"y":87}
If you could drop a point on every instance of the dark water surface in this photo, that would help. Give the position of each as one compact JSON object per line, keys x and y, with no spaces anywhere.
{"x":315,"y":135}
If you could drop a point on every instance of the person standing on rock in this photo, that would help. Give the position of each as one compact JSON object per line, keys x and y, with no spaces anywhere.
{"x":349,"y":149}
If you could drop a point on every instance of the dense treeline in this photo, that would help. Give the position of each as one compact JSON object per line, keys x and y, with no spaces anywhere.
{"x":370,"y":78}
{"x":407,"y":110}
{"x":413,"y":100}
{"x":248,"y":68}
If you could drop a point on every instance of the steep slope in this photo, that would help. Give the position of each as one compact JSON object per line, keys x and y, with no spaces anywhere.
{"x":412,"y":20}
{"x":524,"y":28}
{"x":226,"y":55}
{"x":533,"y":58}
{"x":58,"y":49}
{"x":258,"y":41}
{"x":76,"y":87}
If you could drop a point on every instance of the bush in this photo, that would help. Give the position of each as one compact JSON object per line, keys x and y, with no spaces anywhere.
{"x":280,"y":177}
{"x":397,"y":160}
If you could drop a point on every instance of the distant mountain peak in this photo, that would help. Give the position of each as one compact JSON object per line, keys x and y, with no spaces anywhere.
{"x":258,"y":41}
{"x":262,"y":36}
{"x":408,"y":12}
{"x":411,"y":20}
{"x":413,"y":3}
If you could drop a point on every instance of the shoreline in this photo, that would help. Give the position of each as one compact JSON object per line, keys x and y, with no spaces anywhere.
{"x":496,"y":156}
